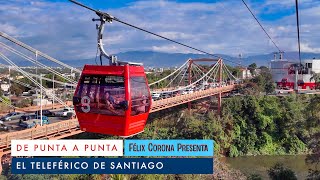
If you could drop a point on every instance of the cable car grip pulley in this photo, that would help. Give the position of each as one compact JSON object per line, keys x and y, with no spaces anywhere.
{"x":103,"y":18}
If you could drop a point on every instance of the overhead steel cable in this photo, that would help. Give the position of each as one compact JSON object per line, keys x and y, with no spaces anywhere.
{"x":2,"y":34}
{"x":298,"y":29}
{"x":160,"y":36}
{"x":35,"y":62}
{"x":43,"y":89}
{"x":261,"y":26}
{"x":110,"y":18}
{"x":171,"y":40}
{"x":37,"y":76}
{"x":183,"y":65}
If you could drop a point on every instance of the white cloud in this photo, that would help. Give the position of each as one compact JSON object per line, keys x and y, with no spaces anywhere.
{"x":306,"y":48}
{"x":66,"y":31}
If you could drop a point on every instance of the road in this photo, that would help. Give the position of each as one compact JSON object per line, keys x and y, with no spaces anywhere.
{"x":16,"y":127}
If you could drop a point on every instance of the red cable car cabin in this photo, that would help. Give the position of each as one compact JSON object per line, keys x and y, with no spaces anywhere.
{"x":113,"y":100}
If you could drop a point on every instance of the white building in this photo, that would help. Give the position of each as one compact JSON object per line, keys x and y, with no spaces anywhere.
{"x":5,"y":87}
{"x":284,"y":73}
{"x":36,"y":102}
{"x":245,"y":73}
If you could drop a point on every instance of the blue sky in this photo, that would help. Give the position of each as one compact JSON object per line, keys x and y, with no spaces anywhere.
{"x":66,"y":31}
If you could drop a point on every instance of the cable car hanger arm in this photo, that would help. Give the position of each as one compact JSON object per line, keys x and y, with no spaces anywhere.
{"x":103,"y":18}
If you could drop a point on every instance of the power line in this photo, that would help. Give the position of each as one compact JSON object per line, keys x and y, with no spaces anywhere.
{"x":107,"y":16}
{"x":261,"y":25}
{"x":171,"y":40}
{"x":298,"y":29}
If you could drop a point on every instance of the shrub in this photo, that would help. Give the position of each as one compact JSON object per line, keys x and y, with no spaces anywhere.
{"x":279,"y":172}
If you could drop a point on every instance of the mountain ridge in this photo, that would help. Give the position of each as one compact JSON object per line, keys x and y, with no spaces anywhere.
{"x":161,"y":59}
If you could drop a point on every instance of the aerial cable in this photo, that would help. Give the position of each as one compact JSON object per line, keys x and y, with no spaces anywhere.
{"x":35,"y":62}
{"x":190,"y":85}
{"x":298,"y":29}
{"x":109,"y":18}
{"x":170,"y":74}
{"x":182,"y":77}
{"x":38,"y":53}
{"x":195,"y":71}
{"x":29,"y":77}
{"x":261,"y":26}
{"x":228,"y":71}
{"x":174,"y":77}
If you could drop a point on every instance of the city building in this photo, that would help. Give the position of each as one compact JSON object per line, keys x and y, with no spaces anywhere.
{"x":245,"y":73}
{"x":286,"y":73}
{"x":36,"y":102}
{"x":5,"y":87}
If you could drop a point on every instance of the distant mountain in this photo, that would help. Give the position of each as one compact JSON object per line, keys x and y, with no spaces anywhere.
{"x":160,"y":59}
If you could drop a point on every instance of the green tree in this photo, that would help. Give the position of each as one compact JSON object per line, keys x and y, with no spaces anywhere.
{"x":16,"y":89}
{"x":252,"y":67}
{"x":254,"y":177}
{"x":279,"y":172}
{"x":316,"y":78}
{"x":264,"y":81}
{"x":313,"y":126}
{"x":49,"y":84}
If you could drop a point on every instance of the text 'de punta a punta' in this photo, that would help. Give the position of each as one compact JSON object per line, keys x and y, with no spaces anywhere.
{"x":67,"y":148}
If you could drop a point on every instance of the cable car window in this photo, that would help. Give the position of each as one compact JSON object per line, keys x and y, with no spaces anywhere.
{"x":112,"y":96}
{"x":139,"y":95}
{"x":86,"y":80}
{"x":113,"y":79}
{"x":102,"y":95}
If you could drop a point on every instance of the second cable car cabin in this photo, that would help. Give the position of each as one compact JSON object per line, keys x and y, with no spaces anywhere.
{"x":113,"y":100}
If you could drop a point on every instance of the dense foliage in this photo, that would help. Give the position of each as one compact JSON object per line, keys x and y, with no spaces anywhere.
{"x":266,"y":125}
{"x":313,"y":124}
{"x":249,"y":125}
{"x":279,"y":172}
{"x":264,"y":81}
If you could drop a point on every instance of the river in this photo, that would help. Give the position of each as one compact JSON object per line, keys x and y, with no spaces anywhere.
{"x":260,"y":164}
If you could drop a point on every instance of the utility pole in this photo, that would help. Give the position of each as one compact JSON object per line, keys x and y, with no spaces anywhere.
{"x":53,"y":91}
{"x":71,"y":75}
{"x":64,"y":91}
{"x":37,"y":72}
{"x":9,"y":89}
{"x":41,"y":100}
{"x":240,"y":66}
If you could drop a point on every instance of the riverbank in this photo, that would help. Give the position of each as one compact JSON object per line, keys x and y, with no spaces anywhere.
{"x":260,"y":164}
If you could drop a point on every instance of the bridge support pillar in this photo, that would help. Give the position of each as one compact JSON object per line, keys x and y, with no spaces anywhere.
{"x":189,"y":107}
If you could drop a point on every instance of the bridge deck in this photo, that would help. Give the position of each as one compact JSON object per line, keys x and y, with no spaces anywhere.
{"x":181,"y":99}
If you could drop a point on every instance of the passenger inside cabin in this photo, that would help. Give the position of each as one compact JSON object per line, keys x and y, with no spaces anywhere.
{"x":109,"y":101}
{"x":112,"y":104}
{"x":142,"y":106}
